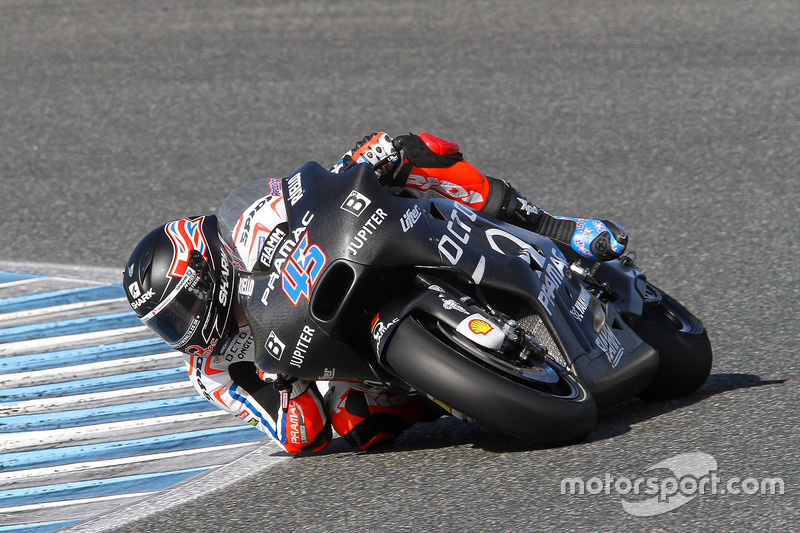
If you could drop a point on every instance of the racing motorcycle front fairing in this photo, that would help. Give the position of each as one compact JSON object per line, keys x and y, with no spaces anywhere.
{"x":346,"y":247}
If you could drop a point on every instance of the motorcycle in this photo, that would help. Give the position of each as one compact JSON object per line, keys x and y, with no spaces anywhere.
{"x":488,"y":320}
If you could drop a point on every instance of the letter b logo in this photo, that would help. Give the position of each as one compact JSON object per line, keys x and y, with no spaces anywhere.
{"x":274,"y":346}
{"x":356,"y":203}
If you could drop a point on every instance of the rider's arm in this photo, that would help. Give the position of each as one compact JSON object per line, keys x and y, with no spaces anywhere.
{"x":424,"y":166}
{"x":296,"y":419}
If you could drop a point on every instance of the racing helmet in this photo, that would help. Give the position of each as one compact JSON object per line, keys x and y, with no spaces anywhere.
{"x":179,"y":281}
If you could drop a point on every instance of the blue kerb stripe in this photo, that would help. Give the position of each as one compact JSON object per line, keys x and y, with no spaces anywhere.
{"x":66,"y":296}
{"x":127,"y":448}
{"x":80,"y":386}
{"x":79,"y":356}
{"x":5,"y":277}
{"x":96,"y":487}
{"x":110,"y":413}
{"x":70,"y":326}
{"x":37,"y":527}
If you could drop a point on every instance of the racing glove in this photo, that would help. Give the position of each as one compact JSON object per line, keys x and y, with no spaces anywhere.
{"x":376,"y":150}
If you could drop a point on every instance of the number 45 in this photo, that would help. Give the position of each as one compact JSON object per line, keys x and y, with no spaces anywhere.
{"x":302,"y":270}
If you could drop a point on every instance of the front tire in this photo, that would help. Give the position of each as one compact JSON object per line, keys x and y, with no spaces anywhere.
{"x":556,"y":412}
{"x":684,"y":351}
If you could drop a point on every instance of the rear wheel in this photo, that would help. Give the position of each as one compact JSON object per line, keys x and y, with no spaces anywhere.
{"x":684,"y":351}
{"x":536,"y":401}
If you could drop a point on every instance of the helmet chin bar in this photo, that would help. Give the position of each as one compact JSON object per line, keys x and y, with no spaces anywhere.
{"x":220,"y":321}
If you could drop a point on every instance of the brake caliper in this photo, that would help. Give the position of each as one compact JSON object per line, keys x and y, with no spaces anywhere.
{"x":521,"y":343}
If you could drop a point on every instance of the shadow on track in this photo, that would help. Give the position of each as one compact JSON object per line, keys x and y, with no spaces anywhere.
{"x":612,"y":422}
{"x":618,"y":419}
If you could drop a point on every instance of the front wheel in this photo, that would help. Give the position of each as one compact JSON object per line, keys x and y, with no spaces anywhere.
{"x":538,"y":402}
{"x":684,"y":351}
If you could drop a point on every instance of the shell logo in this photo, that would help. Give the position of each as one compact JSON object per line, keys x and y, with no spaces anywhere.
{"x":479,"y":326}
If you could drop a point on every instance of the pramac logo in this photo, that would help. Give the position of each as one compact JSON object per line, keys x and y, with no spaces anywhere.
{"x":186,"y":236}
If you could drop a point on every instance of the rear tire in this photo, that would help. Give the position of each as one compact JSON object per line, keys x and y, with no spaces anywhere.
{"x":684,"y":351}
{"x":556,"y":412}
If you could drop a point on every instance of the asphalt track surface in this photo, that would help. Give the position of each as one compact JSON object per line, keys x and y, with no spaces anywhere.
{"x":680,"y":120}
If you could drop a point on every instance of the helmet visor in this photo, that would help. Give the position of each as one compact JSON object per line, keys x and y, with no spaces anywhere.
{"x":178,"y":316}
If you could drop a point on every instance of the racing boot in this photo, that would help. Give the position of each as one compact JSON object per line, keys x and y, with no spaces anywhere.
{"x":601,"y":240}
{"x":372,"y":417}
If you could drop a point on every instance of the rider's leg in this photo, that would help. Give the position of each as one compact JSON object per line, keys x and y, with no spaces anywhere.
{"x":433,"y":166}
{"x":369,"y":417}
{"x":439,"y":167}
{"x":593,"y":238}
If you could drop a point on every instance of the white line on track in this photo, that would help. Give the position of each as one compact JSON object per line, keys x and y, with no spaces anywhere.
{"x":30,"y":313}
{"x":25,"y":281}
{"x":50,"y":437}
{"x":266,"y":456}
{"x":93,"y":370}
{"x":91,"y":399}
{"x":8,"y":477}
{"x":67,"y":503}
{"x":49,"y":343}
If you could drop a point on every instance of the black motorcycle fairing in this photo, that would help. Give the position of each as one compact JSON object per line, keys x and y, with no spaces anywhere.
{"x":530,"y":270}
{"x":317,"y":299}
{"x":434,"y":297}
{"x":359,"y":284}
{"x":627,"y":281}
{"x":337,"y":239}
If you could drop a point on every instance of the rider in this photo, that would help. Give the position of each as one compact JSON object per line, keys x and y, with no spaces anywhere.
{"x":181,"y":280}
